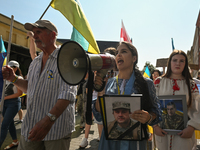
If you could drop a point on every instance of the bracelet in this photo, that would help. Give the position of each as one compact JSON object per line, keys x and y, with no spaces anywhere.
{"x":15,"y":80}
{"x":151,"y":119}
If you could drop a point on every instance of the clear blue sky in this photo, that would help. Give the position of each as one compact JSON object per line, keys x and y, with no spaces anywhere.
{"x":150,"y":23}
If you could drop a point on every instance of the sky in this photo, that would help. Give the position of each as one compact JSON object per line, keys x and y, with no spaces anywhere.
{"x":150,"y":23}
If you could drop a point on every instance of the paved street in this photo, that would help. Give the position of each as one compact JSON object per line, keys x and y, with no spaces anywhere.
{"x":76,"y":136}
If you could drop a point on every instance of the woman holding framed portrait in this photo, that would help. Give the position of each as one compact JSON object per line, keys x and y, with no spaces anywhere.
{"x":178,"y":81}
{"x":128,"y":81}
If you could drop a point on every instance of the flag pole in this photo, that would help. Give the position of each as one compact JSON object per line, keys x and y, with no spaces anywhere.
{"x":8,"y":57}
{"x":45,"y":10}
{"x":43,"y":14}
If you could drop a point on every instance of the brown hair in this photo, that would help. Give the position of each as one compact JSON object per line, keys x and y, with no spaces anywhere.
{"x":133,"y":51}
{"x":141,"y":86}
{"x":110,"y":50}
{"x":185,"y":73}
{"x":140,"y":83}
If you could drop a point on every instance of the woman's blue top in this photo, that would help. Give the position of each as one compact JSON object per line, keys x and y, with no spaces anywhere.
{"x":111,"y":89}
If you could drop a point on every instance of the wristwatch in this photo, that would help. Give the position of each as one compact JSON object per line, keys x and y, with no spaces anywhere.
{"x":52,"y":117}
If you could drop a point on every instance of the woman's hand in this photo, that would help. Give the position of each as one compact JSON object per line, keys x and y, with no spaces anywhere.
{"x":187,"y":132}
{"x":98,"y":80}
{"x":158,"y":131}
{"x":141,"y":116}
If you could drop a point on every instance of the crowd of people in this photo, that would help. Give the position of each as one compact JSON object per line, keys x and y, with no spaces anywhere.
{"x":52,"y":103}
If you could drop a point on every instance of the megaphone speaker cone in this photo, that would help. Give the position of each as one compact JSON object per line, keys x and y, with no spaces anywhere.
{"x":72,"y":63}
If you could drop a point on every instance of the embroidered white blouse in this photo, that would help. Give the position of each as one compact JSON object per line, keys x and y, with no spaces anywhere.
{"x":168,"y":86}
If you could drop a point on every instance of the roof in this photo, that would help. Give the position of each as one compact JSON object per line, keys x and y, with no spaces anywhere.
{"x":102,"y":44}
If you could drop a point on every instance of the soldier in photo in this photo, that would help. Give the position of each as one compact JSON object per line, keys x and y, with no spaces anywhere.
{"x":172,"y":120}
{"x":122,"y":122}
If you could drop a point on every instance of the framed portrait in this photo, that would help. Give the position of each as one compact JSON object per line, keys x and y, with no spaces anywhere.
{"x":174,"y":113}
{"x":116,"y":111}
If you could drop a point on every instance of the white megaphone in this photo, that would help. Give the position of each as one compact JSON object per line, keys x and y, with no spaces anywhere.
{"x":73,"y":63}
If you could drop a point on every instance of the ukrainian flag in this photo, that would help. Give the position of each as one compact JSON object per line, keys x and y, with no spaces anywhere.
{"x":147,"y":73}
{"x":72,"y":11}
{"x":3,"y":54}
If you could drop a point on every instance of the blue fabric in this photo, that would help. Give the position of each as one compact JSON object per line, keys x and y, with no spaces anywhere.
{"x":10,"y":109}
{"x":76,"y":36}
{"x":129,"y":85}
{"x":2,"y":57}
{"x":111,"y":89}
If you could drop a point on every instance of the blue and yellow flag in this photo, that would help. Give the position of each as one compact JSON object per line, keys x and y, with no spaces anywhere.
{"x":147,"y":73}
{"x":76,"y":36}
{"x":3,"y":54}
{"x":73,"y":12}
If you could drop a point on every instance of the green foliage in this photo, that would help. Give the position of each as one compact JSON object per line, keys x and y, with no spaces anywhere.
{"x":150,"y":66}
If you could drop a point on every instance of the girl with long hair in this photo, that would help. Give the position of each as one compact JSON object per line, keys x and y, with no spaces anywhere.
{"x":178,"y":81}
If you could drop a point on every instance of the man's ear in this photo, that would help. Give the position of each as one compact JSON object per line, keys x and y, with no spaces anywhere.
{"x":54,"y":33}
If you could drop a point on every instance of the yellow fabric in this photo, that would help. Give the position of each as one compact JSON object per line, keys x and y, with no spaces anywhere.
{"x":118,"y":86}
{"x":23,"y":95}
{"x":177,"y":112}
{"x":197,"y":134}
{"x":72,"y":11}
{"x":146,"y":75}
{"x":150,"y":129}
{"x":103,"y":110}
{"x":4,"y":62}
{"x":92,"y":50}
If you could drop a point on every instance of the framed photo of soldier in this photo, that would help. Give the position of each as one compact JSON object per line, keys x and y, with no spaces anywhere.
{"x":174,"y":113}
{"x":116,"y":111}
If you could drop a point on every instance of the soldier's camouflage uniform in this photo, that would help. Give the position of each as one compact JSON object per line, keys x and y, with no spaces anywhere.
{"x":172,"y":122}
{"x":114,"y":131}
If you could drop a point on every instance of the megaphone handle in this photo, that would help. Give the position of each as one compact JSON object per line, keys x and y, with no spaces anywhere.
{"x":102,"y":74}
{"x":99,"y":88}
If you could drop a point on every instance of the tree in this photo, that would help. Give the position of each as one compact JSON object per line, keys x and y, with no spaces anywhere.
{"x":150,"y":66}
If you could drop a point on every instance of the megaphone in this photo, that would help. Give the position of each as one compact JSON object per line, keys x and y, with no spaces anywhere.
{"x":73,"y":63}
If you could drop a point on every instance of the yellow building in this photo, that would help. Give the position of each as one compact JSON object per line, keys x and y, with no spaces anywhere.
{"x":20,"y":43}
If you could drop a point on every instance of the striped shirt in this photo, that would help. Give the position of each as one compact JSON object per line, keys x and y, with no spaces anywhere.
{"x":42,"y":94}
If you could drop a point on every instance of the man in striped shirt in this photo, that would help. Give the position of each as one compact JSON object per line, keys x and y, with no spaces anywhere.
{"x":50,"y":118}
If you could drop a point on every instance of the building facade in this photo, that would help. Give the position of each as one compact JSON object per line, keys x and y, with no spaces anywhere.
{"x":195,"y":49}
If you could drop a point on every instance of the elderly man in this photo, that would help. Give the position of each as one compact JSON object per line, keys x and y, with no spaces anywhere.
{"x":49,"y":120}
{"x":122,"y":122}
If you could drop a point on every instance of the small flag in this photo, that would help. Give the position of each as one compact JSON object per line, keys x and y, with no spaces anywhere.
{"x":74,"y":14}
{"x":147,"y":73}
{"x":3,"y":54}
{"x":124,"y":35}
{"x":173,"y":48}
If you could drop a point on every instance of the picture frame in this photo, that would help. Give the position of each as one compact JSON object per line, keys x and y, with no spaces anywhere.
{"x":116,"y":125}
{"x":174,"y":113}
